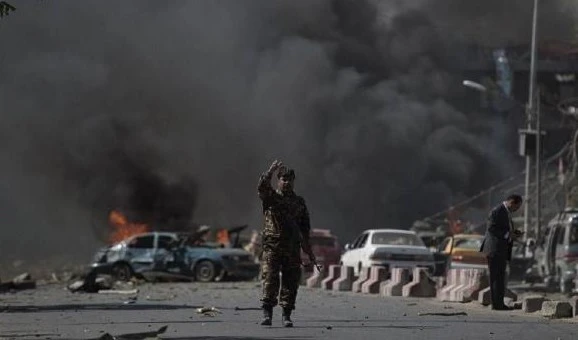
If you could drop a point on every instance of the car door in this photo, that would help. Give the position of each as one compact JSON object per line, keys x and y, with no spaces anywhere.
{"x":364,"y":250}
{"x":165,"y":252}
{"x":347,"y":259}
{"x":140,"y":252}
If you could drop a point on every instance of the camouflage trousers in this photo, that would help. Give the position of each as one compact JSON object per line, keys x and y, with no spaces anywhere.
{"x":273,"y":263}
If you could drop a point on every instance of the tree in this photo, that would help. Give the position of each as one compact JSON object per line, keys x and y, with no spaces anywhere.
{"x":6,"y":8}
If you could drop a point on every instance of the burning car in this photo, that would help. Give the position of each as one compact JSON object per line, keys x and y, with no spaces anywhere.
{"x":173,"y":253}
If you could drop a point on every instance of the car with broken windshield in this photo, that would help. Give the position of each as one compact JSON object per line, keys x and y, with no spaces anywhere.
{"x":168,"y":253}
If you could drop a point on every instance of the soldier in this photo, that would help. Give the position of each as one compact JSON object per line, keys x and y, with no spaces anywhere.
{"x":285,"y":231}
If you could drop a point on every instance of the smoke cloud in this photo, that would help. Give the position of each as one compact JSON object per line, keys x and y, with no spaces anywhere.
{"x":171,"y":110}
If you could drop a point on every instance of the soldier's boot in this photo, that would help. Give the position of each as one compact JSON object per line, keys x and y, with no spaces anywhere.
{"x":267,"y":316}
{"x":287,"y":322}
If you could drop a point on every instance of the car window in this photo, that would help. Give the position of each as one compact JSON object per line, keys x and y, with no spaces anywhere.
{"x":468,"y":243}
{"x":396,"y":239}
{"x":142,"y":242}
{"x":443,"y":246}
{"x":561,"y":235}
{"x":573,"y":234}
{"x":363,"y":241}
{"x":356,"y":241}
{"x":165,"y":241}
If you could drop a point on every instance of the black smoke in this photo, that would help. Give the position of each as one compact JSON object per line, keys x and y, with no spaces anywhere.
{"x":171,"y":109}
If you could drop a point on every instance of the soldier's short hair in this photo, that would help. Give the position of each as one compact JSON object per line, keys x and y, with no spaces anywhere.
{"x":514,"y":198}
{"x":286,"y":172}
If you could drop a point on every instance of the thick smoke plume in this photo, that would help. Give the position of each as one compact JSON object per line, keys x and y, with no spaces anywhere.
{"x":171,"y":110}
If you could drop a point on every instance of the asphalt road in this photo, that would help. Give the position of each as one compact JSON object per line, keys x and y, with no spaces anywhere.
{"x":51,"y":312}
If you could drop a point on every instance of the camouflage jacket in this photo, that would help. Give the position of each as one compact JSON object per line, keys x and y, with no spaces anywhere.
{"x":286,"y":217}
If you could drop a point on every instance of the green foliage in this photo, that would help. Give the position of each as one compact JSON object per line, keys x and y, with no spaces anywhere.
{"x":6,"y":8}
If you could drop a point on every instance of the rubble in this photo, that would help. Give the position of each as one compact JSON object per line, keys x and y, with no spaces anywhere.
{"x":20,"y":282}
{"x":531,"y":304}
{"x":101,"y":284}
{"x":208,"y":311}
{"x":134,"y":336}
{"x":556,"y":309}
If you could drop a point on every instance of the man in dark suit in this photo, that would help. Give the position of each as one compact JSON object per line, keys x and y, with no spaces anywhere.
{"x":497,"y":245}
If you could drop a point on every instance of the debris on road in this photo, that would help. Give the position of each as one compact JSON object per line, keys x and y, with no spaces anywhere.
{"x":442,"y":314}
{"x":20,"y":282}
{"x":116,"y":291}
{"x":134,"y":336}
{"x":93,"y":284}
{"x":208,"y":311}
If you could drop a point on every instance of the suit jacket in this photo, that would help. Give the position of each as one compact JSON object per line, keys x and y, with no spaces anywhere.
{"x":495,"y":242}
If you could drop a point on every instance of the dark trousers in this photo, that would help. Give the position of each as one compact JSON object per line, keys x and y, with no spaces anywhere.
{"x":497,"y":266}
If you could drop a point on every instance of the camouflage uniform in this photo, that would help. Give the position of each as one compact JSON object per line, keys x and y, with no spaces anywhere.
{"x":286,"y":222}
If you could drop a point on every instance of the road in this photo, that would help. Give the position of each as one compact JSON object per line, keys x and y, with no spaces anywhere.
{"x":51,"y":312}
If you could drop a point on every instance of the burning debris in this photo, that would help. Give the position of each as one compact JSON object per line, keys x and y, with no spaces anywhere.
{"x":123,"y":228}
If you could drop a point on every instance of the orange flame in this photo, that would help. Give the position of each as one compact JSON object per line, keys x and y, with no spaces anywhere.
{"x":123,"y":228}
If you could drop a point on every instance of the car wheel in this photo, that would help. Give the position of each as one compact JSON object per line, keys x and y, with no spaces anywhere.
{"x":205,"y":271}
{"x":122,"y":272}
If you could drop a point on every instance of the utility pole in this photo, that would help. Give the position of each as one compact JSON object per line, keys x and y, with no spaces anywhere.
{"x":529,"y":111}
{"x":538,"y":166}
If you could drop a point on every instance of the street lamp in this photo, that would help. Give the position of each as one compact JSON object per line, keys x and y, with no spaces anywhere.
{"x":533,"y":97}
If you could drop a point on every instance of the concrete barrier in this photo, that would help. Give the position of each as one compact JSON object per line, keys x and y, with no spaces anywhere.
{"x":454,"y":294}
{"x":556,"y":309}
{"x":485,"y":297}
{"x":472,"y":282}
{"x":420,"y":286}
{"x":574,"y":303}
{"x":345,"y":280}
{"x":531,"y":304}
{"x":314,"y":281}
{"x":452,"y":281}
{"x":332,"y":275}
{"x":394,"y":286}
{"x":363,"y":276}
{"x":377,"y":275}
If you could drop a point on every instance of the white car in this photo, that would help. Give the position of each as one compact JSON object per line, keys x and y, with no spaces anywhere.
{"x":388,"y":248}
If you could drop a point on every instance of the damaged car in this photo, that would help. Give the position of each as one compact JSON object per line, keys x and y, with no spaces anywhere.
{"x":176,"y":254}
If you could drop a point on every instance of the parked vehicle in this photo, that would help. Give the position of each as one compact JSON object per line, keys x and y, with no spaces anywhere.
{"x":464,"y":251}
{"x":389,"y":248}
{"x":558,"y":260}
{"x":325,"y":247}
{"x":169,"y":253}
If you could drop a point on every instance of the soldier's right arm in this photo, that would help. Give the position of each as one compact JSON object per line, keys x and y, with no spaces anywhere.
{"x":264,"y":188}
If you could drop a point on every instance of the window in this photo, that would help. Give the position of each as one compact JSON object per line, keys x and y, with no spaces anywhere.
{"x":561,"y":235}
{"x":356,"y":241}
{"x":142,"y":242}
{"x":165,"y":242}
{"x":444,"y":245}
{"x":363,"y":241}
{"x":468,"y":243}
{"x":573,"y":234}
{"x":396,"y":239}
